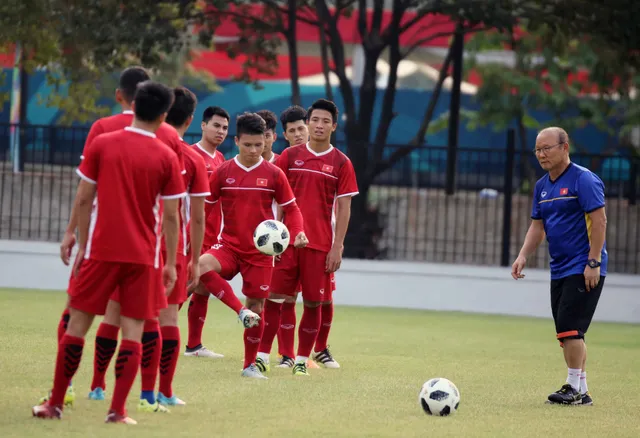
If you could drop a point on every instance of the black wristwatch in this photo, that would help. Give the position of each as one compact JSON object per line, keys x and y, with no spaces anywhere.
{"x":593,"y":263}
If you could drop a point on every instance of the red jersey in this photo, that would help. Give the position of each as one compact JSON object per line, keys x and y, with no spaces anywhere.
{"x":196,"y":183}
{"x":317,"y":181}
{"x":166,"y":133}
{"x":273,"y":158}
{"x":213,"y":215}
{"x":211,"y":161}
{"x":246,"y":195}
{"x":132,"y":170}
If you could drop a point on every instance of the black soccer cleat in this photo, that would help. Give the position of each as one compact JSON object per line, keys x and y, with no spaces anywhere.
{"x":566,"y":396}
{"x":586,"y":399}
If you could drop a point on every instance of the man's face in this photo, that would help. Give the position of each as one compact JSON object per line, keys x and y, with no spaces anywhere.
{"x":296,"y":133}
{"x":549,"y":151}
{"x":250,"y":147}
{"x":321,"y":125}
{"x":215,"y":130}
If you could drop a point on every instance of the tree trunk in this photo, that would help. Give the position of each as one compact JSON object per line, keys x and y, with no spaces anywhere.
{"x":292,"y":46}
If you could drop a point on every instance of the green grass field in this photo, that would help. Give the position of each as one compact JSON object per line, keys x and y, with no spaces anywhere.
{"x":504,"y":367}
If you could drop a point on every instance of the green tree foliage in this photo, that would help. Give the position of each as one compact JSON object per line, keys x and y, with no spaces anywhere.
{"x":80,"y":42}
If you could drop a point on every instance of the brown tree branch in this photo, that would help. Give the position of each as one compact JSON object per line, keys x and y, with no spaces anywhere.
{"x":424,"y":40}
{"x":418,"y":140}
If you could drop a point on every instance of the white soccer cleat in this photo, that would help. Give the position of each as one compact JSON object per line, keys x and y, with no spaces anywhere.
{"x":204,"y":352}
{"x":253,"y":371}
{"x":249,"y":319}
{"x":325,"y":359}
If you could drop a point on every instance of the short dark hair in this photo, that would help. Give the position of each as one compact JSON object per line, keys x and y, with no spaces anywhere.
{"x":129,"y":80}
{"x":250,"y":124}
{"x":184,"y":105}
{"x":292,"y":114}
{"x":152,"y":99}
{"x":270,"y":119}
{"x":324,"y":104}
{"x":214,"y":111}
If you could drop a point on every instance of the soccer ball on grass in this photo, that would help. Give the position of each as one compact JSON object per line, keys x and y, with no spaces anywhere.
{"x":439,"y":397}
{"x":271,"y":237}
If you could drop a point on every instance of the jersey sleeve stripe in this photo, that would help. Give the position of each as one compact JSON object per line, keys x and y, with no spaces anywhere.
{"x":85,"y":177}
{"x":594,"y":209}
{"x":348,"y":194}
{"x":287,"y":203}
{"x":199,"y":195}
{"x":178,"y":196}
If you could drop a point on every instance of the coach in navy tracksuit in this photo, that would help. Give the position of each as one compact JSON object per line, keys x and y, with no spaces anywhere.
{"x":568,"y":206}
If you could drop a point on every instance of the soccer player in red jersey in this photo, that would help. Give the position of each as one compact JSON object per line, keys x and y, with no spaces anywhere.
{"x":321,"y":177}
{"x":246,"y":188}
{"x":180,"y":117}
{"x":107,"y":335}
{"x":215,"y":127}
{"x":119,"y":243}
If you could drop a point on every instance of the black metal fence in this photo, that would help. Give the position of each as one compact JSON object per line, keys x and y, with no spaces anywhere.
{"x":416,"y":220}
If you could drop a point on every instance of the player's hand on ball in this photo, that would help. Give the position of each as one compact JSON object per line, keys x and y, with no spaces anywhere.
{"x":517,"y":267}
{"x":68,"y":242}
{"x":169,"y":276}
{"x":334,"y":259}
{"x":301,"y":240}
{"x":78,"y":261}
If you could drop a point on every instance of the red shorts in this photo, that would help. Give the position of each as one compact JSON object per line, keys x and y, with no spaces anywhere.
{"x":255,"y":279}
{"x":302,"y":269}
{"x":137,"y":287}
{"x":161,"y":297}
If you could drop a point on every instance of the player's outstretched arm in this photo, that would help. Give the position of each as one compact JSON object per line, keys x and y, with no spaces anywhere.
{"x":83,"y":203}
{"x":171,"y":228}
{"x":532,"y":240}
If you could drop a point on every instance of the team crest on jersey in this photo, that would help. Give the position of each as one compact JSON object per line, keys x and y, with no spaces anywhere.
{"x":261,"y":182}
{"x":230,"y":180}
{"x":298,"y":162}
{"x":543,"y":194}
{"x":564,"y":191}
{"x":327,"y":168}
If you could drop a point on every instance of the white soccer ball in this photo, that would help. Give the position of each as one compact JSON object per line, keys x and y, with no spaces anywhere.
{"x":439,"y":397}
{"x":271,"y":237}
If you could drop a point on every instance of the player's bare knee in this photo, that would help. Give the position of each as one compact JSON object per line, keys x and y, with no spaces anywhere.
{"x":312,"y":304}
{"x":131,"y":328}
{"x":169,"y":316}
{"x":79,"y":323}
{"x":112,"y":314}
{"x":291,"y":299}
{"x":201,"y":290}
{"x":208,"y":263}
{"x":255,"y":305}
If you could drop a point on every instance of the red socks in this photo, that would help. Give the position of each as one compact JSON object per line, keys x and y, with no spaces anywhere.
{"x":62,"y":325}
{"x":252,"y":338}
{"x":169,"y":358}
{"x":325,"y":326}
{"x":222,"y":290}
{"x":271,"y":325}
{"x":308,"y":330}
{"x":127,"y":365}
{"x":67,"y":362}
{"x":287,"y":330}
{"x":106,"y":343}
{"x":151,"y":351}
{"x":196,"y":315}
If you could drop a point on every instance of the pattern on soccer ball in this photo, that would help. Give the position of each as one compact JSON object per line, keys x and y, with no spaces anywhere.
{"x":277,"y":247}
{"x":271,"y":225}
{"x":262,"y":240}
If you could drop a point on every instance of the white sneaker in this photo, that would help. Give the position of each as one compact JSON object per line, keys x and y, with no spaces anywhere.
{"x":249,"y":319}
{"x":253,"y":371}
{"x":325,"y":359}
{"x":203,"y":352}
